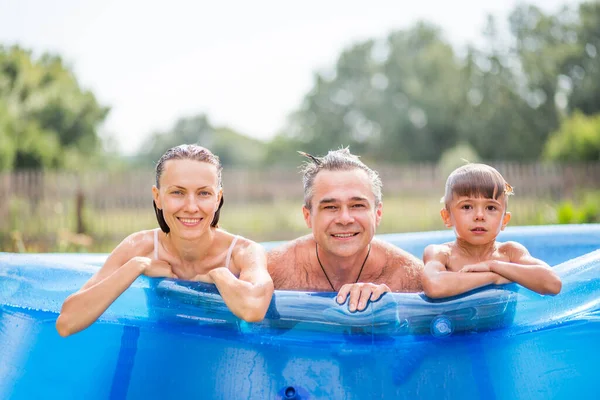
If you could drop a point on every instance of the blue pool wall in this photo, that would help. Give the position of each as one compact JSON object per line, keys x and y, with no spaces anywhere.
{"x":170,"y":339}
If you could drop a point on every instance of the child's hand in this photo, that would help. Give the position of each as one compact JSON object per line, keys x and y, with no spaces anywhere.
{"x":479,"y":267}
{"x":486,"y":266}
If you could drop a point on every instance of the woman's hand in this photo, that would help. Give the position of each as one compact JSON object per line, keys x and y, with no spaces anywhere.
{"x":155,"y":268}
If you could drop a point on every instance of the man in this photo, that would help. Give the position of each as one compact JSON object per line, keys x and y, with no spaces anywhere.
{"x":343,"y":207}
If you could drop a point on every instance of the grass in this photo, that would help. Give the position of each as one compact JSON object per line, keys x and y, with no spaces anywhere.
{"x":51,"y":227}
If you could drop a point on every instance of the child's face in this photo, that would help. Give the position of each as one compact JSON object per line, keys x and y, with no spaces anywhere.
{"x":477,"y":220}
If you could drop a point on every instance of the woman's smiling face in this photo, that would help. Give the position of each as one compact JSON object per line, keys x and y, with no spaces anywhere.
{"x":189,"y":196}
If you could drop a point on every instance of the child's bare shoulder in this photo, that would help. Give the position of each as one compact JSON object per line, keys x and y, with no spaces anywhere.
{"x":510,"y":248}
{"x":438,"y":251}
{"x":440,"y":248}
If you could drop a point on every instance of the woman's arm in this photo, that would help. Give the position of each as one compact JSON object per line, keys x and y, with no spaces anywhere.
{"x":438,"y":282}
{"x":120,"y":270}
{"x":249,"y":296}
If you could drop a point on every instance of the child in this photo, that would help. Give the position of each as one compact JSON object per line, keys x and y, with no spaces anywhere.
{"x":475,"y":200}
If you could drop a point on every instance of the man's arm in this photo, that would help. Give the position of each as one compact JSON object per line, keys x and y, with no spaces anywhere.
{"x":438,"y":282}
{"x":523,"y":269}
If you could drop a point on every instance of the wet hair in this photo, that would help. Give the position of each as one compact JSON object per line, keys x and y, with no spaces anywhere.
{"x":192,"y":152}
{"x":335,"y":160}
{"x":479,"y":180}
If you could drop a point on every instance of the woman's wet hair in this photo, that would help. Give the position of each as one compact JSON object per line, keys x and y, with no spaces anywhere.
{"x":335,"y":160}
{"x":476,"y":180}
{"x":192,"y":152}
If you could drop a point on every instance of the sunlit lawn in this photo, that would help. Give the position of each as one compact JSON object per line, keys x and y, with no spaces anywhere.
{"x":258,"y":221}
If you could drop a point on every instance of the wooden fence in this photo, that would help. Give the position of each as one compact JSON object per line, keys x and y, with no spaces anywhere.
{"x":50,"y":207}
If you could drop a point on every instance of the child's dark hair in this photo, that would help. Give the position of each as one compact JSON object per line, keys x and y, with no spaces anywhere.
{"x":187,"y":152}
{"x":479,"y":180}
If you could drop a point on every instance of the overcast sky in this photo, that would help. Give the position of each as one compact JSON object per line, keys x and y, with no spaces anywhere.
{"x":246,"y":64}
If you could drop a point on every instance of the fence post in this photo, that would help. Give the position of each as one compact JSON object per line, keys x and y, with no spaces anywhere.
{"x":79,"y":203}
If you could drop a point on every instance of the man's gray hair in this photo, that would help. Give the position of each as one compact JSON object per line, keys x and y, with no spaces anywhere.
{"x":335,"y":160}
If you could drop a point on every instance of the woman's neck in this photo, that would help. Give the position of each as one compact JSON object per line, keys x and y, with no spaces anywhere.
{"x":190,"y":250}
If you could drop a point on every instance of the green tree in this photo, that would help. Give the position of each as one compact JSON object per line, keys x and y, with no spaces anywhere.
{"x":48,"y":120}
{"x":393,"y":99}
{"x":582,"y":67}
{"x":231,"y":147}
{"x":499,"y":117}
{"x":578,"y":139}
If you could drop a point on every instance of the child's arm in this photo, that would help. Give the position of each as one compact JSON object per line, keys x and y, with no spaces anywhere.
{"x":439,"y":282}
{"x":523,"y":269}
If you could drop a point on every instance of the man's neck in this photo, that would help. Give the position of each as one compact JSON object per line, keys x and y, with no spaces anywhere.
{"x":342,"y":270}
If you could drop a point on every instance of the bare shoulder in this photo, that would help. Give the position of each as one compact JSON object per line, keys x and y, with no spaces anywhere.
{"x":403,"y":271}
{"x":512,"y":249}
{"x":137,"y":244}
{"x":247,"y":255}
{"x":283,"y":262}
{"x":243,"y":244}
{"x":437,"y":251}
{"x":517,"y":253}
{"x":394,"y":254}
{"x":286,"y":253}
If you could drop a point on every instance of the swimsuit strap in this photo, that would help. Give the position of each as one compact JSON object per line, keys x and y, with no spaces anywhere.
{"x":230,"y":250}
{"x":156,"y":244}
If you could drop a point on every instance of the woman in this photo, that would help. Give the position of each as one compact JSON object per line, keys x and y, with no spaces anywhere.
{"x":188,"y":197}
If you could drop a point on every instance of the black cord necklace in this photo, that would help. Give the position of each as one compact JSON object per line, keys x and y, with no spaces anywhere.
{"x":325,"y":273}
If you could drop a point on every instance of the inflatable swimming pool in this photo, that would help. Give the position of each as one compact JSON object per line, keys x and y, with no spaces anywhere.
{"x":166,"y":339}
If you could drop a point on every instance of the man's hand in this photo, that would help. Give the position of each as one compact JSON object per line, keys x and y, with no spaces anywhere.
{"x":360,"y":294}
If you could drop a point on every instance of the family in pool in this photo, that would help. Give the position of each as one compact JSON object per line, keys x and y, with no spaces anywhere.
{"x":342,"y":207}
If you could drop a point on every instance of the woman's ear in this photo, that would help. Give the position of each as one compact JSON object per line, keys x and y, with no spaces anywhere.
{"x":219,"y":197}
{"x":155,"y":196}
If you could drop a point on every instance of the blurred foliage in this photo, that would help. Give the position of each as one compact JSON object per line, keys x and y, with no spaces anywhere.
{"x":456,"y":157}
{"x":578,"y":139}
{"x":46,"y":119}
{"x":584,"y":211}
{"x":394,"y":100}
{"x":231,"y":147}
{"x":258,"y":221}
{"x":411,"y":96}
